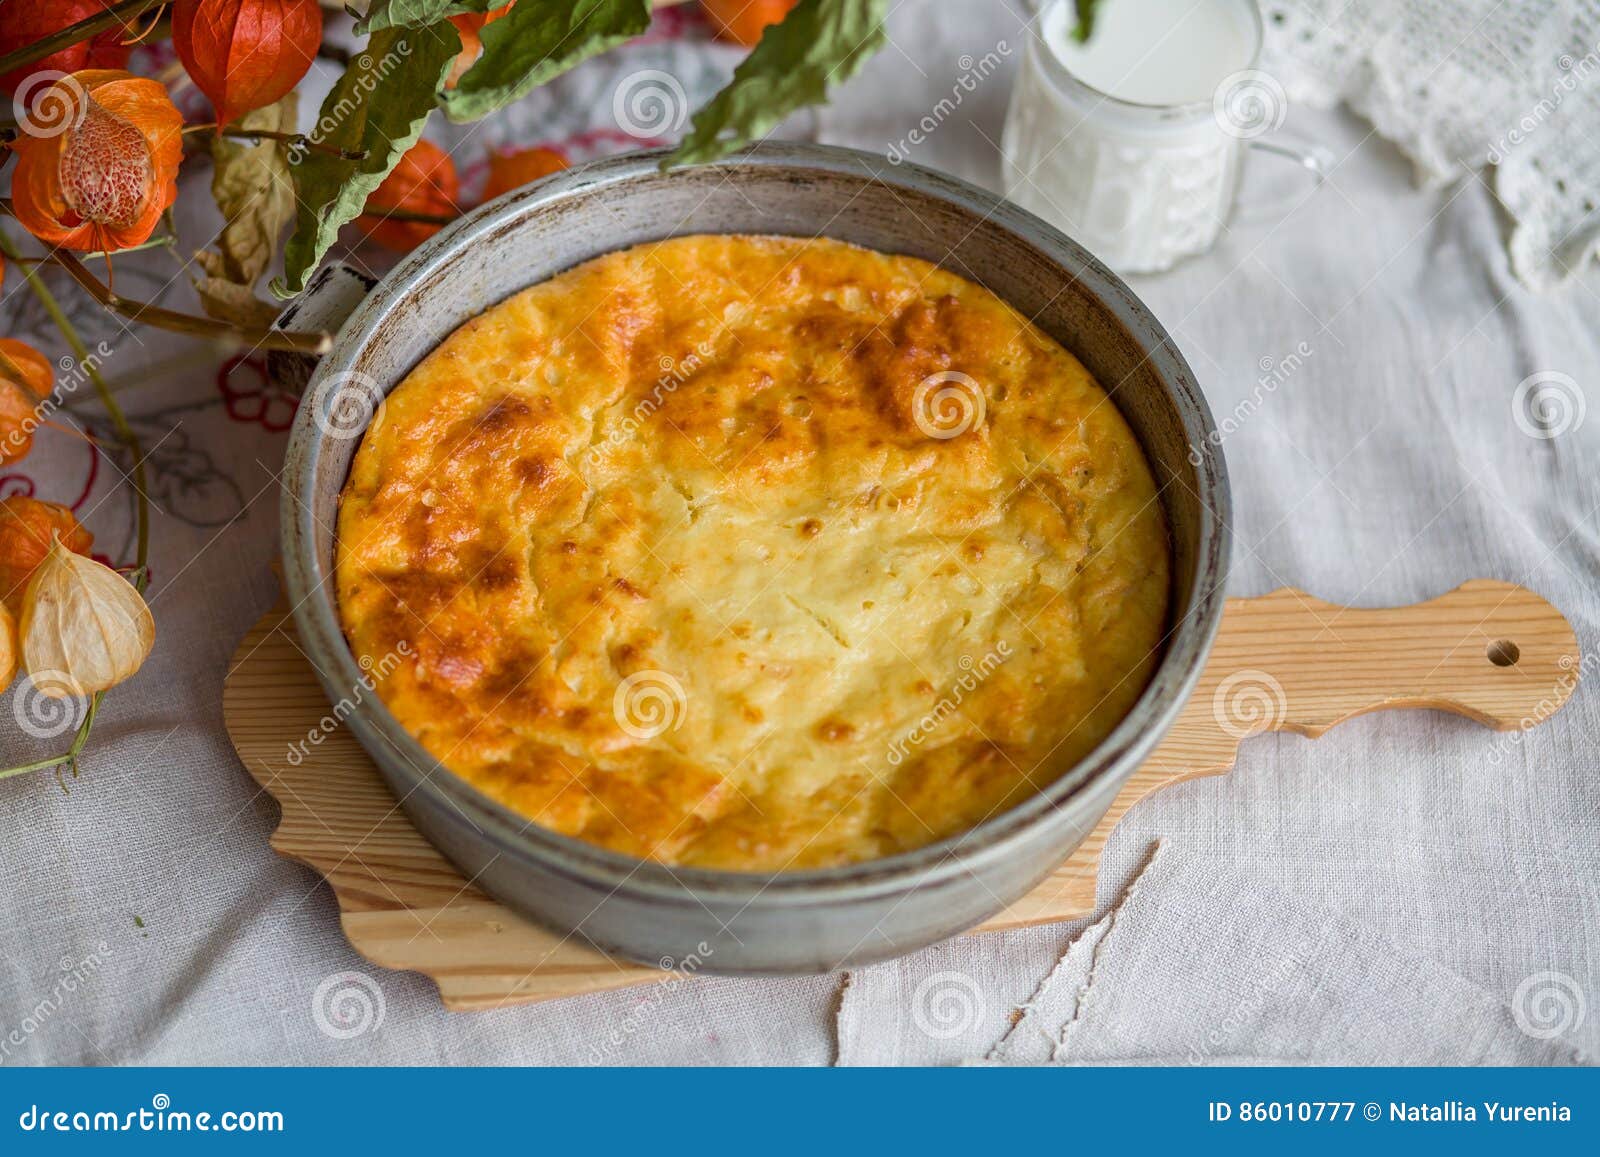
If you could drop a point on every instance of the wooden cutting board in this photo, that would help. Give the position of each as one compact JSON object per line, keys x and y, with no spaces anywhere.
{"x":1492,"y":651}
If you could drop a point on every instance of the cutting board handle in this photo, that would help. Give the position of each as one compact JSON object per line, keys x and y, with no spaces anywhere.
{"x":1492,"y":651}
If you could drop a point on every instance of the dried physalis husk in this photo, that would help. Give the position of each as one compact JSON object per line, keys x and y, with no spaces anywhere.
{"x":84,"y":627}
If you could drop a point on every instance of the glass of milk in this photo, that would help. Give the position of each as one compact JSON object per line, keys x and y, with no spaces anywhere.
{"x":1133,"y":142}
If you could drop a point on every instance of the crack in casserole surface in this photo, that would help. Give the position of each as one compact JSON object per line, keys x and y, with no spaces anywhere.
{"x":754,"y":553}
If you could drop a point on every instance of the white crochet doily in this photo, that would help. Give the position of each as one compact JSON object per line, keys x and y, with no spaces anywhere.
{"x":1463,"y":84}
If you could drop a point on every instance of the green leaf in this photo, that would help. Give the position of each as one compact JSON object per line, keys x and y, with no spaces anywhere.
{"x":1084,"y":10}
{"x":537,"y":41}
{"x":417,"y":13}
{"x":820,"y":42}
{"x":377,"y":108}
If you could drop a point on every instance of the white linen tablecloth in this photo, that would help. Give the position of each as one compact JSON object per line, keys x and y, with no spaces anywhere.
{"x":1408,"y":888}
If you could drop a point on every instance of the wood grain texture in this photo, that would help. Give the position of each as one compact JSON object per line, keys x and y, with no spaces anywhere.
{"x":1491,"y":651}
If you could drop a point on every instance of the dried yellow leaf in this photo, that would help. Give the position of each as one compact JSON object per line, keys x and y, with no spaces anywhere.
{"x":254,"y":190}
{"x":84,"y":627}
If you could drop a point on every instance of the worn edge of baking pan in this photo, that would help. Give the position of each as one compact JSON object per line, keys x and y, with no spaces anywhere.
{"x":1186,"y":647}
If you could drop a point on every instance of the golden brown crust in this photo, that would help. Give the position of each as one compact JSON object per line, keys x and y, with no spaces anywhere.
{"x":705,"y":551}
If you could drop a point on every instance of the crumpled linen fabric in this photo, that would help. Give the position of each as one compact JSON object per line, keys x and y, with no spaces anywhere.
{"x":1285,"y":984}
{"x":1404,"y":863}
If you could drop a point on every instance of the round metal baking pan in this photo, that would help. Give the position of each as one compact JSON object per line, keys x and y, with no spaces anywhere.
{"x":738,"y":922}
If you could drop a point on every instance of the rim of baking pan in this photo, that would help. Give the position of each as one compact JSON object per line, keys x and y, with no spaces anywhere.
{"x":1186,"y":646}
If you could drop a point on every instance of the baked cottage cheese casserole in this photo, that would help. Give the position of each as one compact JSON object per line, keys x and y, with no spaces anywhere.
{"x":753,"y":553}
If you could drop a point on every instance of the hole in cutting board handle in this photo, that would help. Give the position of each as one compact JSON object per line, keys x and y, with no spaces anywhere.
{"x":1503,"y":653}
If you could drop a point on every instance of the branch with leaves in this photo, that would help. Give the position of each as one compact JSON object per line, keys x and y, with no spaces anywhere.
{"x":465,"y":58}
{"x":96,"y":154}
{"x":75,"y":626}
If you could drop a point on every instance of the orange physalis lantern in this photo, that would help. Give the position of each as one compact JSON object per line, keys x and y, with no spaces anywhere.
{"x":104,"y":168}
{"x":26,"y":527}
{"x":22,"y":24}
{"x":743,"y":21}
{"x":423,"y":182}
{"x":469,"y":25}
{"x":246,"y":54}
{"x":509,"y":171}
{"x":26,"y":378}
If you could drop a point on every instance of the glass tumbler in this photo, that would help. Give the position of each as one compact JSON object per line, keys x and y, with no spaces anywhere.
{"x":1142,"y":186}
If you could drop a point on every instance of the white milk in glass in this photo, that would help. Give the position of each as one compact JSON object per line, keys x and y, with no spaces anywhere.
{"x":1159,"y":52}
{"x":1117,"y":141}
